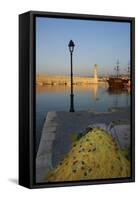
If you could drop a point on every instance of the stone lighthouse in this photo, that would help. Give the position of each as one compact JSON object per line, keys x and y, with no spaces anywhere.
{"x":95,"y":77}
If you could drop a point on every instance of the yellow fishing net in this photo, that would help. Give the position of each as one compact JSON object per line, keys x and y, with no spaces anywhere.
{"x":93,"y":156}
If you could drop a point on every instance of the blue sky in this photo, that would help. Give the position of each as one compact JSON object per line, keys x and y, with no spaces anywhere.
{"x":95,"y":42}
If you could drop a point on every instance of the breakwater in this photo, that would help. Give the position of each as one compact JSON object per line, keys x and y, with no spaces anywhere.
{"x":64,"y":80}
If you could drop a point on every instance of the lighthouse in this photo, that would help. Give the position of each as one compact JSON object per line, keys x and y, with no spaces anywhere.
{"x":95,"y":78}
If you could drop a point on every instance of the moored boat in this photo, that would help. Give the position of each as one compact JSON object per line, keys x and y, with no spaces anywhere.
{"x":118,"y":82}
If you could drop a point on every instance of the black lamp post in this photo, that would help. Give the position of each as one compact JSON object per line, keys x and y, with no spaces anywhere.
{"x":71,"y":48}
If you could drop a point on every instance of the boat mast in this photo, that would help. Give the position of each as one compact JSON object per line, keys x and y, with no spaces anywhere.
{"x":128,"y":69}
{"x":117,"y":68}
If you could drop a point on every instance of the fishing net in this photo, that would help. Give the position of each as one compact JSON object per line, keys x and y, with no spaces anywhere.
{"x":95,"y":155}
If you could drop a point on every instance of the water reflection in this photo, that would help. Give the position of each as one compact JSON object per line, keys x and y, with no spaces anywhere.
{"x":62,"y":88}
{"x":95,"y":97}
{"x":117,"y":93}
{"x":93,"y":88}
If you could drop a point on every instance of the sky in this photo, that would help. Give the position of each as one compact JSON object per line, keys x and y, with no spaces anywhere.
{"x":96,"y":42}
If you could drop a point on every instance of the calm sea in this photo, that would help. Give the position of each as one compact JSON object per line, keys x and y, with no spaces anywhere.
{"x":95,"y":97}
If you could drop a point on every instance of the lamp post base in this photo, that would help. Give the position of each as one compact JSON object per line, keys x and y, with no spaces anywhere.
{"x":71,"y":110}
{"x":72,"y":103}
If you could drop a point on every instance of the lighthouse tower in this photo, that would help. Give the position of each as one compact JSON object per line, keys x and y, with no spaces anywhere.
{"x":95,"y":77}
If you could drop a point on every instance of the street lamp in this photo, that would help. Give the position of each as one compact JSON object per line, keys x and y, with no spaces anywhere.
{"x":71,"y":48}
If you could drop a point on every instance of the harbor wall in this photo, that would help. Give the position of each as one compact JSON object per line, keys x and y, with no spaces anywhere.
{"x":64,"y":80}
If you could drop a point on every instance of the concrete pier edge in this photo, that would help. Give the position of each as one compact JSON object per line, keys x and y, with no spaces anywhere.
{"x":44,"y":154}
